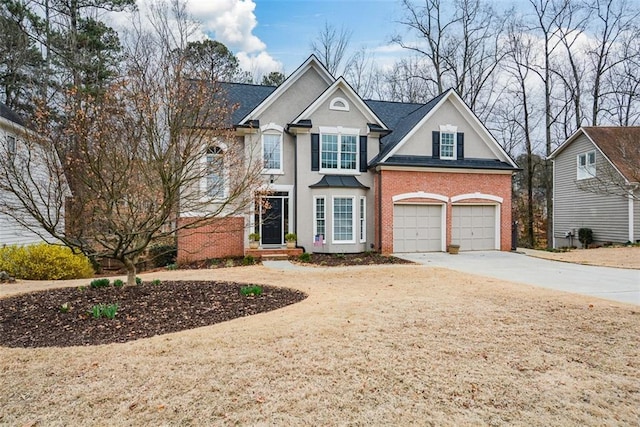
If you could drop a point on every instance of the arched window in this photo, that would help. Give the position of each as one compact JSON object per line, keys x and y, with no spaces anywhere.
{"x":215,"y":172}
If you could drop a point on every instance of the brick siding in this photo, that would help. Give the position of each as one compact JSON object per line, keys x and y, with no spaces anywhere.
{"x":223,"y":237}
{"x":445,"y":184}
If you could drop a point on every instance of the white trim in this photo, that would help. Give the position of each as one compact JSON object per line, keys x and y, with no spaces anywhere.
{"x":204,"y":184}
{"x":334,"y":104}
{"x":482,"y":129}
{"x":630,"y":202}
{"x":497,"y":227}
{"x":274,"y":188}
{"x":272,"y":126}
{"x":362,"y":106}
{"x":315,"y":218}
{"x":554,"y":243}
{"x":449,"y":130}
{"x":476,"y":196}
{"x":419,"y":195}
{"x":353,"y":220}
{"x":312,"y":61}
{"x":362,"y":218}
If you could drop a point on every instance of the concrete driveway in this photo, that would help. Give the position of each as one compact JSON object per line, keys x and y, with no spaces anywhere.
{"x":603,"y":282}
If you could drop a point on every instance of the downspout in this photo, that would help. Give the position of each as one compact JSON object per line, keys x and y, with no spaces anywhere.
{"x":630,"y":199}
{"x":379,"y":210}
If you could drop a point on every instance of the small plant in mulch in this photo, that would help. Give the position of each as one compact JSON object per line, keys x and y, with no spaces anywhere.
{"x":304,"y":257}
{"x":156,"y":282}
{"x":100,"y":283}
{"x":108,"y":311}
{"x":340,"y":260}
{"x":252,"y":290}
{"x":138,"y":281}
{"x":118,"y":283}
{"x":65,"y":307}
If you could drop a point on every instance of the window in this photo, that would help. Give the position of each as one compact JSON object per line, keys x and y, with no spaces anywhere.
{"x":587,"y":165}
{"x":272,"y":152}
{"x":319,"y":214}
{"x":447,"y":145}
{"x":343,"y":220}
{"x":363,"y":219}
{"x":11,"y":144}
{"x":215,"y":172}
{"x":339,"y":149}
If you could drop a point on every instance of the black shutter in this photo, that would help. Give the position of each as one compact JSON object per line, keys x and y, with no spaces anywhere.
{"x":363,"y":153}
{"x":460,"y":146}
{"x":315,"y":152}
{"x":435,"y":147}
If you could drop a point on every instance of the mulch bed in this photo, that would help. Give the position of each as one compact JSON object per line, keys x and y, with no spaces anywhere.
{"x":37,"y":320}
{"x":339,"y":260}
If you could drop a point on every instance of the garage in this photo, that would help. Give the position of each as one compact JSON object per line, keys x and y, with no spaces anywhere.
{"x":473,"y":227}
{"x":417,"y":228}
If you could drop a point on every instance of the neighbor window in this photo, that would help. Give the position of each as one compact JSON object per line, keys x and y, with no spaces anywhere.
{"x":272,"y":152}
{"x":343,"y":220}
{"x":319,"y":214}
{"x":11,"y":144}
{"x":215,"y":172}
{"x":587,"y":165}
{"x":339,"y":149}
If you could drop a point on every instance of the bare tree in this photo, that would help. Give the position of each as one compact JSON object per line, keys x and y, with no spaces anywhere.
{"x":330,"y":46}
{"x":154,"y":145}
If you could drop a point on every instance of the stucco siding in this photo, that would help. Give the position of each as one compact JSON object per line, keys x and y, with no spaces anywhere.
{"x":448,"y":114}
{"x":575,"y":207}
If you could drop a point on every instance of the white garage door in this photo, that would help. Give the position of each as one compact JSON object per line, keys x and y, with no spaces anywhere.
{"x":473,"y":227}
{"x":417,"y":228}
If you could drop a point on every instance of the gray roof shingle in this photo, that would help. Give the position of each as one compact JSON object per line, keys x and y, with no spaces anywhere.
{"x":7,"y":113}
{"x":245,"y":97}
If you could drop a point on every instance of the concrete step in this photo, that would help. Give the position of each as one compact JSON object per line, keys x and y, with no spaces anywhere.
{"x":275,"y":257}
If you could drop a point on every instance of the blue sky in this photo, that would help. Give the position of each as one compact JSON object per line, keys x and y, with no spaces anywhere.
{"x":287,"y":27}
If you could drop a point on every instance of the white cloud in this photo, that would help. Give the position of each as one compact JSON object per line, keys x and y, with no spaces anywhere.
{"x":258,"y":65}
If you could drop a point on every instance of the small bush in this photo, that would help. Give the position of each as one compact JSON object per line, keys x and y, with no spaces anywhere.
{"x":254,"y":290}
{"x":156,"y":282}
{"x":585,"y":236}
{"x":44,"y":262}
{"x":248,"y":260}
{"x":103,"y":310}
{"x":229,"y":263}
{"x":64,"y":308}
{"x":138,"y":281}
{"x":118,"y":283}
{"x":172,"y":266}
{"x":100,"y":283}
{"x":163,"y":255}
{"x":305,"y":257}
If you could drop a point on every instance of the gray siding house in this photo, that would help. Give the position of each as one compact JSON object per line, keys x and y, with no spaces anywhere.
{"x":596,"y":185}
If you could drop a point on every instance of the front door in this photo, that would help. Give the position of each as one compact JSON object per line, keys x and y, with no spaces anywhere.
{"x":273,"y":218}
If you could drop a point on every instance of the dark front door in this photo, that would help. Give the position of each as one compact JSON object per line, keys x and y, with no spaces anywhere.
{"x":272,"y":230}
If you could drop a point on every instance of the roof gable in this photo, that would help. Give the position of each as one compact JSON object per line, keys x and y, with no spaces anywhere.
{"x":408,"y":125}
{"x":340,"y":84}
{"x":620,"y":145}
{"x":311,"y":62}
{"x":9,"y":115}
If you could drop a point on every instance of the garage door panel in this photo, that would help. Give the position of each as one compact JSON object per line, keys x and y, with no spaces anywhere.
{"x":417,"y":228}
{"x":473,"y":226}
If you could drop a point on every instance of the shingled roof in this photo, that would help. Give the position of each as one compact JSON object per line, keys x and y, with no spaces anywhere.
{"x":7,"y":113}
{"x":621,"y":145}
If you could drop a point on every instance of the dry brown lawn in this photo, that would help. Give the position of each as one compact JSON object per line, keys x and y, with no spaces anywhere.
{"x":623,"y":257}
{"x":384,"y":345}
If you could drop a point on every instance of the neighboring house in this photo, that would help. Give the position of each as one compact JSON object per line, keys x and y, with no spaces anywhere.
{"x":348,"y":175}
{"x":12,"y":130}
{"x":596,"y":174}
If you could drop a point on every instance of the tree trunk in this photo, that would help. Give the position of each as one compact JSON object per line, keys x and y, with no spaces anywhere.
{"x":130,"y":264}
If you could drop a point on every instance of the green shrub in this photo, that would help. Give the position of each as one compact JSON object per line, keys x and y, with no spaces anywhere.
{"x":100,"y":283}
{"x":103,"y":310}
{"x":118,"y":283}
{"x":305,"y":257}
{"x":163,"y":255}
{"x":44,"y":262}
{"x":138,"y":281}
{"x":248,"y":260}
{"x":254,"y":290}
{"x":156,"y":282}
{"x":585,"y":235}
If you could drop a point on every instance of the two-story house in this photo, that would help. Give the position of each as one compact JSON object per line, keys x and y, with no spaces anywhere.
{"x":351,"y":175}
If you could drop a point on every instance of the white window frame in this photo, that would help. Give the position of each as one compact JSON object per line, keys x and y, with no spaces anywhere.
{"x":12,"y":144}
{"x":353,"y":220}
{"x":589,"y":169}
{"x":363,"y":219}
{"x":453,"y":131}
{"x":204,"y":182}
{"x":339,"y":104}
{"x":340,"y":131}
{"x":270,"y":130}
{"x":324,"y":217}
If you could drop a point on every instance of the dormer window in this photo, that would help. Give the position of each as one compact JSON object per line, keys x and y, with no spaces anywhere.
{"x":448,"y":142}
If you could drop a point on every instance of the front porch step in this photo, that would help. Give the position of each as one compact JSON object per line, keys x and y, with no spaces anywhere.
{"x":273,"y":254}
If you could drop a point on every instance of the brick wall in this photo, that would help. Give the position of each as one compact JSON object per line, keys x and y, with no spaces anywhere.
{"x":445,"y":184}
{"x":223,"y":237}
